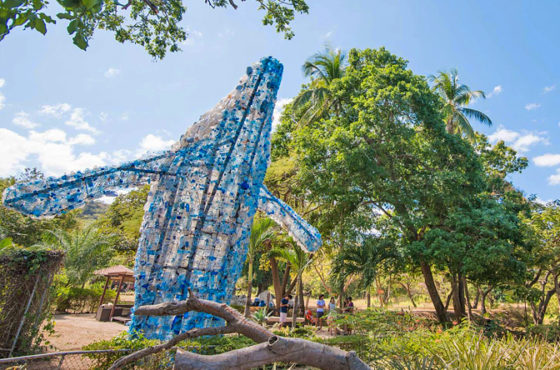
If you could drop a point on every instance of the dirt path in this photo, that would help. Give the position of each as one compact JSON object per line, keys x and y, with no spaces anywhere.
{"x":74,"y":331}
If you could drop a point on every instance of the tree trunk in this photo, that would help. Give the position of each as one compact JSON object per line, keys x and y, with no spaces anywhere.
{"x":449,"y":296}
{"x":483,"y":299}
{"x":249,"y":288}
{"x":432,"y":291}
{"x":469,"y":307}
{"x":286,"y":279}
{"x":409,"y":293}
{"x":368,"y":298}
{"x":476,"y":297}
{"x":322,"y":278}
{"x":557,"y":289}
{"x":296,"y":302}
{"x":341,"y":298}
{"x":458,"y":296}
{"x":301,"y":298}
{"x":278,"y":291}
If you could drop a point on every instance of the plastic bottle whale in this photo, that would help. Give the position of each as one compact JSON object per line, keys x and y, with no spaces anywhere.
{"x":199,"y":212}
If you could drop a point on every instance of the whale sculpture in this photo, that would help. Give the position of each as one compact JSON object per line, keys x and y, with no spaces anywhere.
{"x":203,"y":196}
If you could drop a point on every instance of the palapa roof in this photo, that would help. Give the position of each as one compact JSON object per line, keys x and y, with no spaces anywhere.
{"x":115,"y":271}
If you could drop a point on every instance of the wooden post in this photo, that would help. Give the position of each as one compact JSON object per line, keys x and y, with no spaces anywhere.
{"x":116,"y":298}
{"x":104,"y":290}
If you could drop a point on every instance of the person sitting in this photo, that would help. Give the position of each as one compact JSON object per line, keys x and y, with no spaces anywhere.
{"x":309,"y":317}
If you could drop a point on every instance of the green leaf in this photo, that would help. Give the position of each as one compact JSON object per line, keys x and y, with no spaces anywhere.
{"x":20,"y":20}
{"x":80,"y":42}
{"x":65,"y":16}
{"x":13,"y":3}
{"x":73,"y":26}
{"x":37,"y":4}
{"x":89,"y":4}
{"x":40,"y":26}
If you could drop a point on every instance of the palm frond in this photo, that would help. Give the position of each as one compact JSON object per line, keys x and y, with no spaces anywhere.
{"x":478,"y":115}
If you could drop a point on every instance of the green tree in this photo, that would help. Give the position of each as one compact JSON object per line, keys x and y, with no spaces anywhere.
{"x":262,"y":232}
{"x":122,"y":220}
{"x":153,"y":24}
{"x":85,"y":251}
{"x":322,"y":68}
{"x":543,"y":275}
{"x":456,"y":97}
{"x":26,"y":231}
{"x":387,"y":164}
{"x":298,"y":260}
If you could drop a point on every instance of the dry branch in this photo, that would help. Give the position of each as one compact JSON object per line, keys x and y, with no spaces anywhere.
{"x":276,"y":349}
{"x":270,"y":349}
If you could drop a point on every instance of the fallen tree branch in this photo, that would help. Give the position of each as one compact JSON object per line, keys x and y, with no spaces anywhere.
{"x":270,"y":349}
{"x":276,"y":349}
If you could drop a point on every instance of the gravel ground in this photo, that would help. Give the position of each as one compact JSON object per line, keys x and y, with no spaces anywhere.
{"x":74,"y":331}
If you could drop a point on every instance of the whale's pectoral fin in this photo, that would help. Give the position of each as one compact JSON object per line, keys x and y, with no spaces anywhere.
{"x":304,"y":234}
{"x":51,"y":196}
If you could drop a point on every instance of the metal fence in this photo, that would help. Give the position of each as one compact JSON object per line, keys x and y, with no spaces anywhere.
{"x":82,"y":360}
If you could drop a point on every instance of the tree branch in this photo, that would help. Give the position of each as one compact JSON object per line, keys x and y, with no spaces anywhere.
{"x":271,"y":348}
{"x":276,"y":349}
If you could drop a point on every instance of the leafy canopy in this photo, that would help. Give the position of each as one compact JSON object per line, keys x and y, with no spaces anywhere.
{"x":153,"y":24}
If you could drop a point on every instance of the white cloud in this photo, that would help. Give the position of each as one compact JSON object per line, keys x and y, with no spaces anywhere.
{"x":112,"y":72}
{"x":554,"y":179}
{"x":278,"y":109}
{"x":547,"y":160}
{"x":55,"y":110}
{"x":503,"y":134}
{"x":82,"y":139}
{"x":153,"y":143}
{"x":124,"y":116}
{"x":328,"y":35}
{"x":2,"y":82}
{"x":52,"y":149}
{"x":497,"y":90}
{"x":103,"y":116}
{"x":519,"y":141}
{"x":22,"y":119}
{"x":523,"y":143}
{"x":548,"y":89}
{"x":77,"y":120}
{"x":532,"y":106}
{"x":542,"y":201}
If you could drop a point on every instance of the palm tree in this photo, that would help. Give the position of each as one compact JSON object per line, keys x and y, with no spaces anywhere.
{"x":357,"y":261}
{"x":456,"y":98}
{"x":261,"y":232}
{"x":299,"y":260}
{"x":323,"y":68}
{"x":86,"y":251}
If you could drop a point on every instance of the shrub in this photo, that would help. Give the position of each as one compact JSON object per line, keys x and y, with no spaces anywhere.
{"x":204,"y":346}
{"x":81,"y":299}
{"x":549,"y":333}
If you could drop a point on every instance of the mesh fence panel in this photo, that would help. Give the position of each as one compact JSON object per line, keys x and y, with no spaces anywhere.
{"x":85,"y":360}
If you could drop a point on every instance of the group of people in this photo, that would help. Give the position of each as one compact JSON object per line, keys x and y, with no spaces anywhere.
{"x":322,"y":308}
{"x":347,"y":307}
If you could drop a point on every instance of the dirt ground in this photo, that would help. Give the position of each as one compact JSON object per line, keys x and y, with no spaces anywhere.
{"x":74,"y":331}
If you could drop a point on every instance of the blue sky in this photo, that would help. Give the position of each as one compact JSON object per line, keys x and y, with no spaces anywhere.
{"x":63,"y":109}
